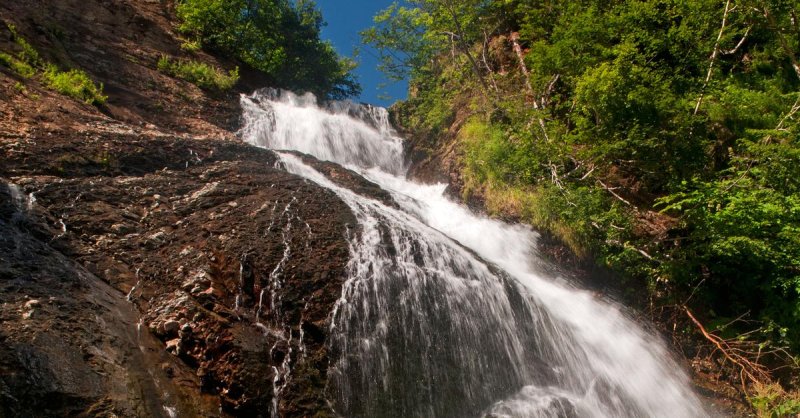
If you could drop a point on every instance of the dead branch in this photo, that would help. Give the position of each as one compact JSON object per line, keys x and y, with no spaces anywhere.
{"x":738,"y":45}
{"x":611,"y":190}
{"x":526,"y":75}
{"x":523,"y":68}
{"x":795,"y":108}
{"x":486,"y":61}
{"x":627,"y":245}
{"x":554,"y":176}
{"x":589,"y":173}
{"x":545,"y":99}
{"x":713,"y":58}
{"x":452,"y":37}
{"x":694,"y":290}
{"x":750,"y":371}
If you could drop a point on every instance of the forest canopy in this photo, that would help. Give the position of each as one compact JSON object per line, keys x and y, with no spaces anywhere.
{"x":280,"y":38}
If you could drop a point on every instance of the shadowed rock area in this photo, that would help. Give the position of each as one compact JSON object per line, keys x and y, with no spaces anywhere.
{"x":232,"y":265}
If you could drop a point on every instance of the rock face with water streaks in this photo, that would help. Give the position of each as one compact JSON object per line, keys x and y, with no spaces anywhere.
{"x":150,"y":263}
{"x":232,"y":265}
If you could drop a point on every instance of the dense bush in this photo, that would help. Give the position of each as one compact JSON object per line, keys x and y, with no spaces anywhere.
{"x":278,"y":37}
{"x":201,"y":74}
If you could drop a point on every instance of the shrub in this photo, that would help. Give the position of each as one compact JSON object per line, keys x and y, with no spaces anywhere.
{"x":772,"y":401}
{"x":201,"y":74}
{"x":191,"y":46}
{"x":25,"y":61}
{"x":75,"y":84}
{"x":28,"y":53}
{"x":20,"y":68}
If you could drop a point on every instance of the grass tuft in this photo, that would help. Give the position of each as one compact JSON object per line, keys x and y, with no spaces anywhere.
{"x":21,"y":68}
{"x":27,"y":63}
{"x":74,"y":83}
{"x":200,"y":74}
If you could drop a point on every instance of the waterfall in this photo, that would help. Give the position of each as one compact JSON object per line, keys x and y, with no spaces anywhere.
{"x":443,"y":313}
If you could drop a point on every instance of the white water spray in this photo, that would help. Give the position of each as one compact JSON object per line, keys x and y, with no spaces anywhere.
{"x":442,"y":313}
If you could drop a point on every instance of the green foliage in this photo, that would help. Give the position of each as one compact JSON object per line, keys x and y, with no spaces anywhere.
{"x":74,"y":83}
{"x":399,"y":35}
{"x":22,"y":63}
{"x":278,"y":37}
{"x":623,"y":113}
{"x":191,"y":46}
{"x":201,"y":74}
{"x":770,"y":401}
{"x":408,"y":39}
{"x":27,"y":53}
{"x":745,"y":224}
{"x":21,"y":68}
{"x":27,"y":63}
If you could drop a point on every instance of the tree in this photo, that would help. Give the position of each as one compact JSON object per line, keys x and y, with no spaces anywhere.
{"x":277,"y":37}
{"x":407,"y":39}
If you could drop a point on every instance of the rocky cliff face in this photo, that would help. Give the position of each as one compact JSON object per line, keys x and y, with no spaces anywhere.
{"x":231,"y":264}
{"x":151,"y":264}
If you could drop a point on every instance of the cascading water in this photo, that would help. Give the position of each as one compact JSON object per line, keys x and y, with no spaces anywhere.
{"x":443,"y":313}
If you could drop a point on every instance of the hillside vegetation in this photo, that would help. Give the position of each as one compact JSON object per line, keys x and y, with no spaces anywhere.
{"x":280,"y":38}
{"x":658,"y":137}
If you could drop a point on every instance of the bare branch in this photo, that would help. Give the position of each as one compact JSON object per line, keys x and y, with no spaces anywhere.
{"x":752,"y":370}
{"x":526,"y":74}
{"x":738,"y":45}
{"x":713,"y":58}
{"x":610,"y":190}
{"x":486,"y":61}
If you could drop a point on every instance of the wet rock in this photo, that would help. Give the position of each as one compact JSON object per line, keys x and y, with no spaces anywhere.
{"x":186,"y":331}
{"x":155,"y":240}
{"x":75,"y":350}
{"x":188,"y":278}
{"x":122,"y":229}
{"x":171,"y":327}
{"x":173,"y":346}
{"x":154,"y":205}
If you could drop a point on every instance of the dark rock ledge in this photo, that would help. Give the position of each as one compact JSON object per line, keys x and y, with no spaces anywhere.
{"x":151,"y":275}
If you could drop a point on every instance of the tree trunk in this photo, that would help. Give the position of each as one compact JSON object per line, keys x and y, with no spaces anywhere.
{"x":465,"y":48}
{"x":713,"y":58}
{"x":528,"y":87}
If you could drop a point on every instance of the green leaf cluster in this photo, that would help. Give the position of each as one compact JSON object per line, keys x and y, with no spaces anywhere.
{"x":22,"y":63}
{"x":74,"y":83}
{"x":280,"y":38}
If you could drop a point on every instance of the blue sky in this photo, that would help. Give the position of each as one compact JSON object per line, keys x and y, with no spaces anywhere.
{"x":346,"y":18}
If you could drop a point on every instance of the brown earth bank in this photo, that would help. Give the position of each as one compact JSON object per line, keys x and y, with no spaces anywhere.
{"x":150,"y":263}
